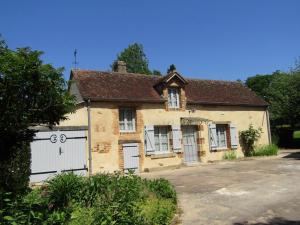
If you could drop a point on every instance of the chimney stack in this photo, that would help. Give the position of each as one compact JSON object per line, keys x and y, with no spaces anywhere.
{"x":121,"y":67}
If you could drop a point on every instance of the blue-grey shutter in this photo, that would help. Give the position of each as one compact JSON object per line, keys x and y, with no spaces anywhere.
{"x":149,"y":140}
{"x":213,"y":136}
{"x":176,"y":137}
{"x":233,"y":136}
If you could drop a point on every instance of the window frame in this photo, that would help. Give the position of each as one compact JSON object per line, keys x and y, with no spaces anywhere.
{"x":173,"y":101}
{"x":125,"y":121}
{"x":225,"y":126}
{"x":156,"y":151}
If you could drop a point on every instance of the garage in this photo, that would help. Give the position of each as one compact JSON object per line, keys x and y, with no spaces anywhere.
{"x":57,"y":151}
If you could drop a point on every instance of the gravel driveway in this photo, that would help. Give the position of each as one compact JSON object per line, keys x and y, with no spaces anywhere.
{"x":260,"y":191}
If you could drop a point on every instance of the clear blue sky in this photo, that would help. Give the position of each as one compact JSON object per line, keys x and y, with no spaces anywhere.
{"x":212,"y":39}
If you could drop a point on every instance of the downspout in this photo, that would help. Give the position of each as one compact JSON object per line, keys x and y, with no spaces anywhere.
{"x":268,"y":125}
{"x":89,"y":136}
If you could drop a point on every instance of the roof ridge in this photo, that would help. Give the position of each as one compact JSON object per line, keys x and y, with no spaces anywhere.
{"x":117,"y":73}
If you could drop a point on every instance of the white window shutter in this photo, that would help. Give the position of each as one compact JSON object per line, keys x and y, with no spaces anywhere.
{"x":213,"y":136}
{"x":149,"y":140}
{"x":176,"y":136}
{"x":233,"y":136}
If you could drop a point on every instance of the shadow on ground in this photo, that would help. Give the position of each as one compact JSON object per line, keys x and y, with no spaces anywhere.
{"x":274,"y":221}
{"x":293,"y":155}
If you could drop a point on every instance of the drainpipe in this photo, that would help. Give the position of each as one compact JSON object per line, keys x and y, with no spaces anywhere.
{"x":268,"y":125}
{"x":89,"y":135}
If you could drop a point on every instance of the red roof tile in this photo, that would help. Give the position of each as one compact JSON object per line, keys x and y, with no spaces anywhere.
{"x":112,"y":86}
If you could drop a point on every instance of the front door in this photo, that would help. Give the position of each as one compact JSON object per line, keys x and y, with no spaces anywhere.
{"x":131,"y":157}
{"x":190,"y":151}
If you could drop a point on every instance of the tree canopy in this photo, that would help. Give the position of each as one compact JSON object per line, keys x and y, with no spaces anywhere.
{"x":31,"y":93}
{"x":282,"y":91}
{"x":135,"y":59}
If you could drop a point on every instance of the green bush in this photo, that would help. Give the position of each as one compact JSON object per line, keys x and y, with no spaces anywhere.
{"x":15,"y":169}
{"x":158,"y":211}
{"x":249,"y":137}
{"x":230,"y":155}
{"x":163,"y":189}
{"x":100,"y":199}
{"x":266,"y":150}
{"x":63,"y":189}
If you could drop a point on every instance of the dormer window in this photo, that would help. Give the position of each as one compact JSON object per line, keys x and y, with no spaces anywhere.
{"x":173,"y":98}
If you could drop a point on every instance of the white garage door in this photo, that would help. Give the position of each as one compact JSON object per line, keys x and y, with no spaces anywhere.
{"x":54,"y":152}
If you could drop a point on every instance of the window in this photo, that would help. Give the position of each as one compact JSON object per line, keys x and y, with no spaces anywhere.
{"x":221,"y":135}
{"x":161,"y":139}
{"x":127,"y":120}
{"x":173,"y":97}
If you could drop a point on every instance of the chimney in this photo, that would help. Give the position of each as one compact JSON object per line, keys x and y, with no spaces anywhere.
{"x":121,"y":67}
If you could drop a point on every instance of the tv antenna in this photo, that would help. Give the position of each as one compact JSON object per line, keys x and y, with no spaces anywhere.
{"x":75,"y":59}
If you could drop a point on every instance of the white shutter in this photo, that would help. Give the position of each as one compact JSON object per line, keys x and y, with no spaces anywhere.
{"x":213,"y":136}
{"x":176,"y":136}
{"x":233,"y":136}
{"x":149,"y":140}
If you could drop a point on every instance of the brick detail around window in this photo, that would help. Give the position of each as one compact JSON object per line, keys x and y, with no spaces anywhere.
{"x":102,"y":147}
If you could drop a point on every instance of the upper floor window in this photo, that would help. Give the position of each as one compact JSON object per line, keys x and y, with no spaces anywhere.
{"x":221,"y":135}
{"x":127,"y":120}
{"x":173,"y":97}
{"x":161,"y":139}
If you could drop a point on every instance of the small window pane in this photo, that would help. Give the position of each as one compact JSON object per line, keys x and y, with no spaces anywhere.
{"x":221,"y":136}
{"x":173,"y":97}
{"x":126,"y":120}
{"x":161,"y":139}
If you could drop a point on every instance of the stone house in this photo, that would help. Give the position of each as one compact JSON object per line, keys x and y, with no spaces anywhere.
{"x":144,"y":122}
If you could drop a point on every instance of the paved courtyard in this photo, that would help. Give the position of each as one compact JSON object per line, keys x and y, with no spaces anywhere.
{"x":260,"y":191}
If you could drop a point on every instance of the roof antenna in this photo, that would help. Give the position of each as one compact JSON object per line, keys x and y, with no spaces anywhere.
{"x":75,"y":59}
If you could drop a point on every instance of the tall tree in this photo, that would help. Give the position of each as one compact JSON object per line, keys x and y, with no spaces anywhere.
{"x":31,"y":94}
{"x":171,"y":68}
{"x":135,"y":59}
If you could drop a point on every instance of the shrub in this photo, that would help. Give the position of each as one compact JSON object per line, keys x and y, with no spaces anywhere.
{"x":230,"y":155}
{"x":64,"y":188}
{"x":158,"y":211}
{"x":249,"y":137}
{"x":15,"y":169}
{"x":100,"y":199}
{"x":163,"y":189}
{"x":266,"y":150}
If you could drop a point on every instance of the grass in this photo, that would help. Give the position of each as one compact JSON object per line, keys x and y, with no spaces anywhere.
{"x":266,"y":150}
{"x":296,"y":134}
{"x":230,"y":155}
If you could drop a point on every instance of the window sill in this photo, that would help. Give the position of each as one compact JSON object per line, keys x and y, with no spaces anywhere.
{"x":128,"y":132}
{"x":163,"y":155}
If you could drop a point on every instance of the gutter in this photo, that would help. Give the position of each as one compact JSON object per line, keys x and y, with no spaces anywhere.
{"x":268,"y":126}
{"x":89,"y":136}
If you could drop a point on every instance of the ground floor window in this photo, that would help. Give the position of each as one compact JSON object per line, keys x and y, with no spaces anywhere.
{"x":221,"y":135}
{"x":161,"y":139}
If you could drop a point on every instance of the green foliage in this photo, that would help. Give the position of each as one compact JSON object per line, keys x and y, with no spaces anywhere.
{"x":162,"y":188}
{"x":156,"y":72}
{"x":101,"y":199}
{"x":158,"y":211}
{"x":296,"y":134}
{"x":171,"y":68}
{"x":230,"y":155}
{"x":135,"y":59}
{"x":281,"y":90}
{"x":15,"y":168}
{"x":265,"y":150}
{"x":31,"y":93}
{"x":249,"y":137}
{"x":64,"y":188}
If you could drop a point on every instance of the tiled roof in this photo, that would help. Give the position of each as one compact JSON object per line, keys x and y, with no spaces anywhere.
{"x":112,"y":86}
